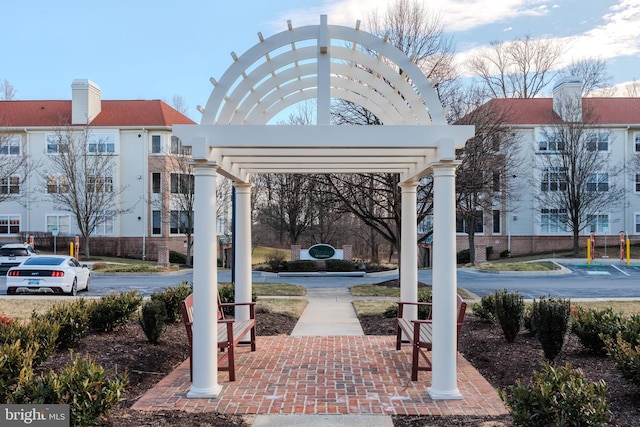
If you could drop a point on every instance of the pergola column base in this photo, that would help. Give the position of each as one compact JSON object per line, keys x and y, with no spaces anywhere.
{"x":204,"y":393}
{"x":444,"y":394}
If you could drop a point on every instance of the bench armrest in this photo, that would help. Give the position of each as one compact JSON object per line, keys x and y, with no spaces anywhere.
{"x":401,"y":305}
{"x":252,"y":307}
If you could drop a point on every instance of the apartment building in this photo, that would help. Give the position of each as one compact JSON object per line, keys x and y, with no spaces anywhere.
{"x":522,"y":222}
{"x":138,"y":133}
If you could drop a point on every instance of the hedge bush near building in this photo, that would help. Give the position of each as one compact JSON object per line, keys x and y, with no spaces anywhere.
{"x":557,"y":396}
{"x":550,"y":319}
{"x":171,"y":298}
{"x":88,"y":389}
{"x":114,"y":310}
{"x":509,"y":312}
{"x":591,"y":326}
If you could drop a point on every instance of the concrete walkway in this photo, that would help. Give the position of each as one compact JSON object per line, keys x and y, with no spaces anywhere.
{"x":328,"y":313}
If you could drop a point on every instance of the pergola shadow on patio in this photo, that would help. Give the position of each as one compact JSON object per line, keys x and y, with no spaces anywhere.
{"x":335,"y":375}
{"x":324,"y":62}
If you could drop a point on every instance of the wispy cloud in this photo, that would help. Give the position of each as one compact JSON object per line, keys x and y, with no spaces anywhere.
{"x":457,"y":15}
{"x":619,"y":35}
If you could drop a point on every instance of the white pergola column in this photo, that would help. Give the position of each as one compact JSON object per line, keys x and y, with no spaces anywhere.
{"x":205,"y":284}
{"x":444,"y":383}
{"x":242,"y":243}
{"x":409,"y":249}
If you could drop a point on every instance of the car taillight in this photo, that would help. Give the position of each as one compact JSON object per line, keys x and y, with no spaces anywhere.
{"x":57,"y":273}
{"x":14,"y":273}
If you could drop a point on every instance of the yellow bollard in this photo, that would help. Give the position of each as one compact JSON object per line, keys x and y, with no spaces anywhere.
{"x":71,"y":249}
{"x":588,"y":251}
{"x":628,"y":251}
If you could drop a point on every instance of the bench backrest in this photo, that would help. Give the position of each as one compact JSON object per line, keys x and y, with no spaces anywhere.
{"x":186,"y":308}
{"x":462,"y":308}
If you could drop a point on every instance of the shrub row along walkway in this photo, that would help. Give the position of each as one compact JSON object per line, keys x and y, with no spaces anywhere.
{"x":327,"y":367}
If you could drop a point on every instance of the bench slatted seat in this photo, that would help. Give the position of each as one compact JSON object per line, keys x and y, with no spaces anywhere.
{"x":231,"y":333}
{"x":419,"y":333}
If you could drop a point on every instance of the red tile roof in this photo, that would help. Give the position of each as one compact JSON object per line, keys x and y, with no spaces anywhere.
{"x":539,"y":111}
{"x":114,"y":113}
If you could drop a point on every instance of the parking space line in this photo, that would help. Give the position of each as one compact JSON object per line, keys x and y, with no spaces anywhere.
{"x":621,"y":271}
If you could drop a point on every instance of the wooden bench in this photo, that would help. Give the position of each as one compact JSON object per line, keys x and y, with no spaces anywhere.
{"x":419,"y":334}
{"x":231,"y":333}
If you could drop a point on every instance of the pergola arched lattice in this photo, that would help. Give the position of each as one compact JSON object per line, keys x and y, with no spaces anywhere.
{"x":323,"y":62}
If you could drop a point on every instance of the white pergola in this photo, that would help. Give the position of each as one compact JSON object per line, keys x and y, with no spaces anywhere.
{"x":323,"y":62}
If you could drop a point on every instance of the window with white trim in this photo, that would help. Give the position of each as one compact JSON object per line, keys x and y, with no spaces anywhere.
{"x":598,"y":141}
{"x":10,"y":185}
{"x":177,"y":148}
{"x":156,"y":222}
{"x":462,"y":225}
{"x":105,"y":223}
{"x":61,"y":222}
{"x":156,"y":144}
{"x":100,"y":184}
{"x":597,"y":223}
{"x":55,"y":144}
{"x":156,"y":182}
{"x":179,"y":221}
{"x":10,"y":146}
{"x":550,"y":142}
{"x":496,"y":221}
{"x":637,"y":222}
{"x":57,"y":184}
{"x":101,"y":143}
{"x":636,"y":142}
{"x":553,"y":179}
{"x":9,"y":224}
{"x":496,"y":181}
{"x":598,"y":181}
{"x":553,"y":220}
{"x":638,"y":183}
{"x":182,"y":183}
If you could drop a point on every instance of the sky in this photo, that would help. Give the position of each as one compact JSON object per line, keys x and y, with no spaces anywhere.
{"x":140,"y":49}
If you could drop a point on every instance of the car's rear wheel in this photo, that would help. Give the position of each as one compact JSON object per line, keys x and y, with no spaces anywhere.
{"x":74,"y":287}
{"x":11,"y":291}
{"x":88,"y":283}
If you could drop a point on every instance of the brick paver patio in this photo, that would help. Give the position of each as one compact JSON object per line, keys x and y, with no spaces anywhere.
{"x":326,"y":375}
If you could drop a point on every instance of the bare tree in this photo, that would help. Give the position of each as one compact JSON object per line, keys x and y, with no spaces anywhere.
{"x":288,"y":205}
{"x":180,"y":104}
{"x":182,"y":195}
{"x":521,"y":68}
{"x":486,"y":162}
{"x":7,"y":91}
{"x":413,"y":28}
{"x":633,"y":89}
{"x":578,"y":181}
{"x":81,"y":179}
{"x":419,"y":32}
{"x":174,"y":198}
{"x":593,"y":74}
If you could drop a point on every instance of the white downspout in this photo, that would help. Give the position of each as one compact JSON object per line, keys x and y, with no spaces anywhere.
{"x":28,"y":181}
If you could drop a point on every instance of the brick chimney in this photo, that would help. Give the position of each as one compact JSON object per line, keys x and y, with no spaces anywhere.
{"x":567,"y":99}
{"x":85,"y":101}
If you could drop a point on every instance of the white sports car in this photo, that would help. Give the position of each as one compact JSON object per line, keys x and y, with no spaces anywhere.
{"x":49,"y":274}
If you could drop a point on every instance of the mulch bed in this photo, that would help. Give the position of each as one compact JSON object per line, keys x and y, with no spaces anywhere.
{"x":481,"y":343}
